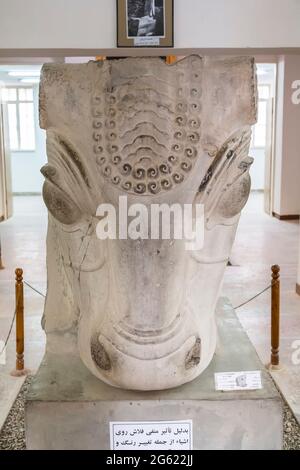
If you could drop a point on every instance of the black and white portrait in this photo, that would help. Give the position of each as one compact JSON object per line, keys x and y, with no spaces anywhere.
{"x":145,"y":18}
{"x":241,"y":381}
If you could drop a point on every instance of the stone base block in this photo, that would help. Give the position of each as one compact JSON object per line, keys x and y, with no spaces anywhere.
{"x":68,"y":408}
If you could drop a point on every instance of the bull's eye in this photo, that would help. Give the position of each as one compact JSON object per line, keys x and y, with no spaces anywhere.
{"x":66,"y":176}
{"x":60,"y":205}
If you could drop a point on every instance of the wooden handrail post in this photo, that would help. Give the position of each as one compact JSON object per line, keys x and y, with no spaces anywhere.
{"x":19,"y":292}
{"x":19,"y":319}
{"x":275,"y":316}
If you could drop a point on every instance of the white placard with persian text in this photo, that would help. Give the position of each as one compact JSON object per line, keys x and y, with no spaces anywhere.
{"x":146,"y":41}
{"x":151,"y":435}
{"x":231,"y":381}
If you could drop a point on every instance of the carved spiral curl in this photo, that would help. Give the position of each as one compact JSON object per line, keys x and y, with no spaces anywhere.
{"x":186,"y":166}
{"x":181,"y":120}
{"x":127,"y":185}
{"x":139,"y":173}
{"x":110,"y":124}
{"x":126,"y":169}
{"x":153,"y":187}
{"x":97,"y":124}
{"x":181,"y":107}
{"x":98,"y":148}
{"x":116,"y":180}
{"x":164,"y":169}
{"x":116,"y":159}
{"x":190,"y":152}
{"x":107,"y":171}
{"x":112,"y":148}
{"x":178,"y":178}
{"x":97,"y":136}
{"x":172,"y":159}
{"x":152,"y":172}
{"x":166,"y":184}
{"x":194,"y":137}
{"x":100,"y":160}
{"x":140,"y":188}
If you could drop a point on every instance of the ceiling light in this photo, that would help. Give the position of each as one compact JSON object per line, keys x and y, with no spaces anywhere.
{"x":24,"y":73}
{"x":31,"y":80}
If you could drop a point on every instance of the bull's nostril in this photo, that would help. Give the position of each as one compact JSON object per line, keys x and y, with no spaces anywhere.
{"x":194,"y":355}
{"x":98,"y":353}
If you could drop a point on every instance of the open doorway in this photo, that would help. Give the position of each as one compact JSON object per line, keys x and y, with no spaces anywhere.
{"x":262,"y":143}
{"x":24,"y":146}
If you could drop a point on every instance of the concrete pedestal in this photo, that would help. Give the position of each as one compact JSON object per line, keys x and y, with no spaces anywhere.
{"x":68,"y":408}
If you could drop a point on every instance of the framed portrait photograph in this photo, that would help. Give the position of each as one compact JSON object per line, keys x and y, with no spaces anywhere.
{"x":145,"y":23}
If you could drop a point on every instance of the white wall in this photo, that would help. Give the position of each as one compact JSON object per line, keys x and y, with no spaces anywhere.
{"x":25,"y":166}
{"x":2,"y":175}
{"x":84,"y":24}
{"x":287,"y":147}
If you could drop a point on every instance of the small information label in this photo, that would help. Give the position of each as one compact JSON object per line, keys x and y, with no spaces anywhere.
{"x":147,"y":41}
{"x":160,"y":435}
{"x":228,"y":381}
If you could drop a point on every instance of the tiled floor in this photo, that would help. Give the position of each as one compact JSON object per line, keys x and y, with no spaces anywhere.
{"x":261,"y":241}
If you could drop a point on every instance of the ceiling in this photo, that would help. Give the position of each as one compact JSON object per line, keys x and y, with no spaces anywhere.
{"x":19,"y":74}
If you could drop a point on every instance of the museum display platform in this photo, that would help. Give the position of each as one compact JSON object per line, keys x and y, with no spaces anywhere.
{"x":68,"y":408}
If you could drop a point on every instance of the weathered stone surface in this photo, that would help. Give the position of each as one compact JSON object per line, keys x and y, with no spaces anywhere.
{"x":141,"y":313}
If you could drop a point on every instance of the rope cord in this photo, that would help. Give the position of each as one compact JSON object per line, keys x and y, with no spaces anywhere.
{"x":43,"y":295}
{"x":9,"y":333}
{"x":34,"y":289}
{"x":14,"y":316}
{"x":254,"y":297}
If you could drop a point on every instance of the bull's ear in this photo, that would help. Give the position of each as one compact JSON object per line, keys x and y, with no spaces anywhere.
{"x":227,"y":183}
{"x":59,"y":204}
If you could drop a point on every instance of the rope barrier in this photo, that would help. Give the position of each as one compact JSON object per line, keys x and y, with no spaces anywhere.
{"x":275,"y":312}
{"x":34,"y":289}
{"x":235,"y":308}
{"x":14,"y":317}
{"x":43,"y":295}
{"x":254,"y":297}
{"x":9,"y":333}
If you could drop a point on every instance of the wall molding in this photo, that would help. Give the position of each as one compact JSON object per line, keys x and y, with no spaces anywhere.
{"x":127,"y":52}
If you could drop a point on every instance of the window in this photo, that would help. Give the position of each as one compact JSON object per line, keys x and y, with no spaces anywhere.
{"x":259,"y":131}
{"x":20,"y":108}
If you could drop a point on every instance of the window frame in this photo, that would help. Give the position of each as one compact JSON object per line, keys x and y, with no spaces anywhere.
{"x":17,"y":103}
{"x":260,"y":100}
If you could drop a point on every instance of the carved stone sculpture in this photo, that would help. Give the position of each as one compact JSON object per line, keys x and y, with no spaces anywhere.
{"x":140,"y":313}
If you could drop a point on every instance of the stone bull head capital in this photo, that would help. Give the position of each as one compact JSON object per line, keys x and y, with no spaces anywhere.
{"x":140,"y":313}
